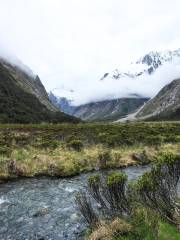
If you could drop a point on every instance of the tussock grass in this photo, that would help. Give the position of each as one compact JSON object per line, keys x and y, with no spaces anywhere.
{"x":31,"y":161}
{"x":106,"y":231}
{"x":69,"y":149}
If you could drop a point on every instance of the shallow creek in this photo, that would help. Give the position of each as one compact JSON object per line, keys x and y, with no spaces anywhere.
{"x":44,"y":208}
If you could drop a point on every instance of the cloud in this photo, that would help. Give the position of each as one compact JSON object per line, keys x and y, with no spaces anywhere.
{"x":145,"y":86}
{"x":73,"y":43}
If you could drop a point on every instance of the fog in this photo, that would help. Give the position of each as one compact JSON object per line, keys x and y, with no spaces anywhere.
{"x":71,"y":44}
{"x":109,"y":88}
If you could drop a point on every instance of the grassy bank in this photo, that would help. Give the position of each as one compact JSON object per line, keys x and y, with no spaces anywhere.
{"x":67,"y":150}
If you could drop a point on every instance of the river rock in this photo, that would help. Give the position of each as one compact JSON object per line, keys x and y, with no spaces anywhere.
{"x":41,"y":212}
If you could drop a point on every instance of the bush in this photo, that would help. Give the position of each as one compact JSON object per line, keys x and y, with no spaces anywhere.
{"x":95,"y":187}
{"x":154,"y":140}
{"x":86,"y":210}
{"x":140,"y":203}
{"x":145,"y":224}
{"x":50,"y":143}
{"x":157,"y":189}
{"x":110,"y":193}
{"x":116,"y":193}
{"x":5,"y":151}
{"x":76,"y":145}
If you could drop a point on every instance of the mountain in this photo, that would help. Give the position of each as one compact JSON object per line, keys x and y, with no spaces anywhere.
{"x":165,"y":105}
{"x":62,"y":103}
{"x":23,"y":98}
{"x":108,"y":110}
{"x":28,"y":81}
{"x":146,"y":65}
{"x":135,"y":83}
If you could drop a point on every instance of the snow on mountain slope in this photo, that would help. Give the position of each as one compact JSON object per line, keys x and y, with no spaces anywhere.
{"x":146,"y":65}
{"x":143,"y":78}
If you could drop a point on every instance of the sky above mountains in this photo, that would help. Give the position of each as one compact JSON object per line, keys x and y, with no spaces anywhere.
{"x":71,"y":44}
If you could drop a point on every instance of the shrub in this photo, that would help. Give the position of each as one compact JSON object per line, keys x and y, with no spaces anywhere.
{"x":95,"y":187}
{"x":154,"y":140}
{"x":76,"y":145}
{"x":116,"y":193}
{"x":86,"y":210}
{"x":50,"y":143}
{"x":144,"y":224}
{"x":110,"y":194}
{"x":140,"y":203}
{"x":5,"y":151}
{"x":157,"y":189}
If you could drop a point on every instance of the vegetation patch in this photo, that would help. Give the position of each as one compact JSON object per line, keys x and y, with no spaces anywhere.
{"x":69,"y":149}
{"x":146,"y":209}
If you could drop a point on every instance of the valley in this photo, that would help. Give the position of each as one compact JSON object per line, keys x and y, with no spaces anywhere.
{"x":64,"y":168}
{"x":89,"y":120}
{"x":44,"y":167}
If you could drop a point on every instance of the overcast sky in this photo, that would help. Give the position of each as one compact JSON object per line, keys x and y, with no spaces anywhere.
{"x":74,"y":42}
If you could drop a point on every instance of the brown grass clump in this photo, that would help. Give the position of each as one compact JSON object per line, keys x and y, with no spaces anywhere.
{"x":114,"y":229}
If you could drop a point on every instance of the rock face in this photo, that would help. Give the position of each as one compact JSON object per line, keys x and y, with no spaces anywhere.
{"x":23,"y":98}
{"x":109,"y":110}
{"x":165,"y":105}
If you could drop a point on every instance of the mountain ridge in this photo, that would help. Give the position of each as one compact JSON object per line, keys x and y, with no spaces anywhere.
{"x":165,"y":105}
{"x":31,"y":83}
{"x":21,"y":105}
{"x":107,"y":110}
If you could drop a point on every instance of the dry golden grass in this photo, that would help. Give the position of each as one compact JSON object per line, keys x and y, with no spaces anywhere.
{"x":32,"y":161}
{"x":118,"y":227}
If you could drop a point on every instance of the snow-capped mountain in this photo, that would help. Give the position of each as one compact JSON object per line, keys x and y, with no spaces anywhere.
{"x":124,"y":88}
{"x":147,"y":64}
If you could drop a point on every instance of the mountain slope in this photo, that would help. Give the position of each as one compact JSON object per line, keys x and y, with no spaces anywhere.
{"x":62,"y":103}
{"x":30,"y":83}
{"x":165,"y":105}
{"x":108,"y":110}
{"x":17,"y":105}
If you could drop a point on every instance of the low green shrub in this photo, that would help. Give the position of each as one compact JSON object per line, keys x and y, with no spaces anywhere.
{"x":4,"y":150}
{"x":157,"y":189}
{"x":76,"y":145}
